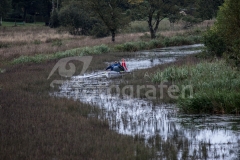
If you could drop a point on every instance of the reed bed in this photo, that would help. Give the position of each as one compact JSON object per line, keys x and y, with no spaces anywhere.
{"x":73,"y":52}
{"x":35,"y":125}
{"x":216,"y":86}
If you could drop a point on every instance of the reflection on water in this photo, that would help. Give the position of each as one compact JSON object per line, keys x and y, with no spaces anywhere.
{"x":194,"y":136}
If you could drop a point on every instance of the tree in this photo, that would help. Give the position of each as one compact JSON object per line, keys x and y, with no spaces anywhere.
{"x":45,"y":9}
{"x":76,"y":19}
{"x":5,"y":6}
{"x":111,"y":13}
{"x":227,"y":29}
{"x":155,"y":11}
{"x":25,"y":5}
{"x":207,"y":9}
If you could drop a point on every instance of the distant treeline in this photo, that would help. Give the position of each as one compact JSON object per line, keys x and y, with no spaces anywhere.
{"x":104,"y":17}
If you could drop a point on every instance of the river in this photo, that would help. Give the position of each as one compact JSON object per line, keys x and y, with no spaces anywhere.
{"x":193,"y":136}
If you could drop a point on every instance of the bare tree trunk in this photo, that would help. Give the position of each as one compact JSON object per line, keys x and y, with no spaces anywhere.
{"x":153,"y":29}
{"x":153,"y":33}
{"x":1,"y":21}
{"x":113,"y":35}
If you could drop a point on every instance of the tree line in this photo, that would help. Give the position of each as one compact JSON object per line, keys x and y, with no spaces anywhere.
{"x":104,"y":17}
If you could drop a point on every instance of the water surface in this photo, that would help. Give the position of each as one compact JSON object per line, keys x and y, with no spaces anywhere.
{"x":201,"y":136}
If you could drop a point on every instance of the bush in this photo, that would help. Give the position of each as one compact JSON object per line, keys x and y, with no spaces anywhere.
{"x":225,"y":34}
{"x":100,"y":30}
{"x":54,"y":20}
{"x":215,"y":43}
{"x":75,"y":19}
{"x":181,"y":40}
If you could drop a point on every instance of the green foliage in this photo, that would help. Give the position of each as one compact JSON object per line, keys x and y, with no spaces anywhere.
{"x":190,"y":21}
{"x":216,"y":86}
{"x":57,"y":42}
{"x":157,"y":43}
{"x":100,"y":30}
{"x":214,"y":43}
{"x":54,"y":20}
{"x":225,"y":34}
{"x":111,"y":13}
{"x":154,"y":11}
{"x":75,"y":19}
{"x":5,"y":6}
{"x":208,"y":9}
{"x":136,"y":27}
{"x":181,"y":40}
{"x":228,"y":27}
{"x":73,"y":52}
{"x":211,"y":102}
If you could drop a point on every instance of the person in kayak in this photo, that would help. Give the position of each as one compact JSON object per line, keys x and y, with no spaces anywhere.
{"x":116,"y":67}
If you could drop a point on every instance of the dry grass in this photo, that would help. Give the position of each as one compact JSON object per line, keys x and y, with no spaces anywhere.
{"x":32,"y":40}
{"x":34,"y":125}
{"x":44,"y":40}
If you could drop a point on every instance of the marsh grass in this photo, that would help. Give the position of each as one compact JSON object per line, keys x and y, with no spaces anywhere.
{"x":158,"y":43}
{"x":73,"y":52}
{"x":216,"y":86}
{"x":37,"y":126}
{"x":143,"y":77}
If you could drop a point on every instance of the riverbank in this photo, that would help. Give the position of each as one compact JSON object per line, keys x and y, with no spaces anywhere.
{"x":214,"y":87}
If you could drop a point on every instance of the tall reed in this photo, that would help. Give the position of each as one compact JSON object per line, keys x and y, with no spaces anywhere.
{"x":216,"y":86}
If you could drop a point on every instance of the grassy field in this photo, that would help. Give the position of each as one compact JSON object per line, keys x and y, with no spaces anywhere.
{"x":21,"y":24}
{"x":166,"y":26}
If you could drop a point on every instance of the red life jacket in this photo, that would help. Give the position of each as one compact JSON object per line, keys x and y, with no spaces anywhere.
{"x":124,"y":64}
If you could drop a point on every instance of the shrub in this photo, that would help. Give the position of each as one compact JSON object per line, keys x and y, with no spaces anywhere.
{"x":214,"y":42}
{"x":54,"y":20}
{"x":100,"y":30}
{"x":226,"y":32}
{"x":75,"y":19}
{"x":181,"y":40}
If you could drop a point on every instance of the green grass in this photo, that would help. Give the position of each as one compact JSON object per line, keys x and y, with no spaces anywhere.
{"x":157,"y":43}
{"x":10,"y":24}
{"x":73,"y":52}
{"x":216,"y":86}
{"x":142,"y":26}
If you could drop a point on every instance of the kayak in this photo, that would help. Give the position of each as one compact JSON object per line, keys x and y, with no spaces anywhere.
{"x":107,"y":74}
{"x":114,"y":74}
